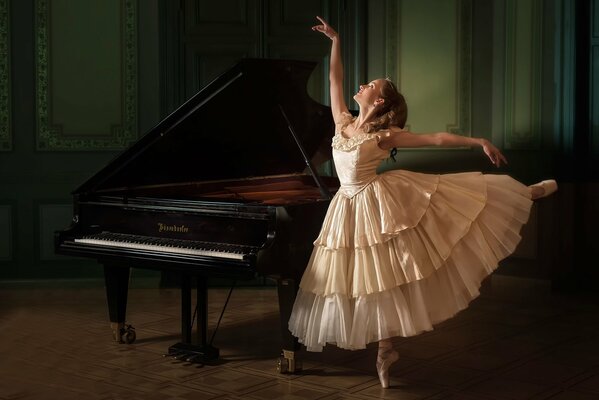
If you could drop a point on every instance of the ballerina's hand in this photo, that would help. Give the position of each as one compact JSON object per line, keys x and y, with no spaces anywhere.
{"x":493,"y":153}
{"x":324,"y":28}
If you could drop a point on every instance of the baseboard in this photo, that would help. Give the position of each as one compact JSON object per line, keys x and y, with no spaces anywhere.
{"x":136,"y":283}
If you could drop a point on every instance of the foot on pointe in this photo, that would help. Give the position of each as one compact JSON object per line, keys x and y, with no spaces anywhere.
{"x":549,"y":186}
{"x":383,"y":363}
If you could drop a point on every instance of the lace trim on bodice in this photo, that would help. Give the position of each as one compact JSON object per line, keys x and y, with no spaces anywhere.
{"x":348,"y":144}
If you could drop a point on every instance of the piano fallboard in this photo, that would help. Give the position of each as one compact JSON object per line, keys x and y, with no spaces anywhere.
{"x":197,"y":221}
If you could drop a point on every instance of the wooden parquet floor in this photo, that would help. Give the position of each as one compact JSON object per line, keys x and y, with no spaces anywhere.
{"x":56,"y":344}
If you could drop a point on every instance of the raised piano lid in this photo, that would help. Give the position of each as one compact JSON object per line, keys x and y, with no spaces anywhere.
{"x":231,"y":129}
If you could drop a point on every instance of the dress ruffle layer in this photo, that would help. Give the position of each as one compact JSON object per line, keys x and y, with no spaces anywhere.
{"x":409,"y":251}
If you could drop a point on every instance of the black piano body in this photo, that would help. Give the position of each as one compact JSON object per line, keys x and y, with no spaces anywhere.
{"x":225,"y":186}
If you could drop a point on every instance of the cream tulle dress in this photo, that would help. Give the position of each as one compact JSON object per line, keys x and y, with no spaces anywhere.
{"x":401,"y":251}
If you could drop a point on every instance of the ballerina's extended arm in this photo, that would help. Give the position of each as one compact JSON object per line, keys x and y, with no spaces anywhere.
{"x":338,"y":105}
{"x":399,"y":138}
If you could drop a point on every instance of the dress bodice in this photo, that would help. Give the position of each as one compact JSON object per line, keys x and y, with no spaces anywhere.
{"x":356,"y":160}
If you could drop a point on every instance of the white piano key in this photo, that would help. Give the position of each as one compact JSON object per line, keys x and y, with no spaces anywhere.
{"x":163,"y":249}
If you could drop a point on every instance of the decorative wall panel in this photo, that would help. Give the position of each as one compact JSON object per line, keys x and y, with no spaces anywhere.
{"x":523,"y":46}
{"x":595,"y":18}
{"x":594,"y":80}
{"x":429,"y":56}
{"x":6,"y":232}
{"x":226,"y":18}
{"x":294,"y":18}
{"x":5,"y":94}
{"x":289,"y":37}
{"x":217,"y":35}
{"x":205,"y":64}
{"x":594,"y":97}
{"x":52,"y":217}
{"x":86,"y":62}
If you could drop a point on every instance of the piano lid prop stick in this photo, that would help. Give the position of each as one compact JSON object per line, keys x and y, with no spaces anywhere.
{"x":323,"y":189}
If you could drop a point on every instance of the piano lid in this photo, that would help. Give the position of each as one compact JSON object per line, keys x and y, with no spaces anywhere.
{"x":233,"y":128}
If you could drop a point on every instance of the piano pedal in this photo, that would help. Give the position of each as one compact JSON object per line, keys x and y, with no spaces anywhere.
{"x":181,"y":356}
{"x":193,"y":354}
{"x":195,"y":359}
{"x":192,"y":358}
{"x":172,"y":355}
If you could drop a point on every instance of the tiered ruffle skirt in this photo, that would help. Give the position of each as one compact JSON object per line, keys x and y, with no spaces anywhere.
{"x":408,"y":251}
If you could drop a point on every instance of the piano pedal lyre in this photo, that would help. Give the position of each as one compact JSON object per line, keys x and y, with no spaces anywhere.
{"x":122,"y":333}
{"x":288,"y":364}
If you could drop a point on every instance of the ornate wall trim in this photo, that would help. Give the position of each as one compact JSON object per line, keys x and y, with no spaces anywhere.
{"x":51,"y":216}
{"x":594,"y":80}
{"x":463,"y":68}
{"x":50,"y":135}
{"x":5,"y":92}
{"x":523,"y":52}
{"x":7,"y":224}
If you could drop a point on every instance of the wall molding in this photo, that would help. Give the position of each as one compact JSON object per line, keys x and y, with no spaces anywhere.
{"x":7,"y":217}
{"x":49,"y":133}
{"x":523,"y":52}
{"x":51,"y":216}
{"x":594,"y":80}
{"x":463,"y":69}
{"x":5,"y":86}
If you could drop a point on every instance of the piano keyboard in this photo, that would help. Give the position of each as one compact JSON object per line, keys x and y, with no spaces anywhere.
{"x":162,"y":245}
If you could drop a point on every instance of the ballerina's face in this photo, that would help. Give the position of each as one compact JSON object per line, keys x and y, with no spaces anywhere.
{"x":369,"y":93}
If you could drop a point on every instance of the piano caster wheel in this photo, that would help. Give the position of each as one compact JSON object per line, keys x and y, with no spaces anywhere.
{"x":128,"y":334}
{"x":287,"y":364}
{"x":282,"y":365}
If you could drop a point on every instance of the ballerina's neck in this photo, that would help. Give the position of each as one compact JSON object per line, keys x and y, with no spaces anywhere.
{"x":352,"y":130}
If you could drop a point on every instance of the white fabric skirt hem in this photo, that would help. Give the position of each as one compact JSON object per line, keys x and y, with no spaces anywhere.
{"x":406,"y":310}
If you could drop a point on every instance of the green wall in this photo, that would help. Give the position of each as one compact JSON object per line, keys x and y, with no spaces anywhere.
{"x":79,"y":81}
{"x":79,"y":84}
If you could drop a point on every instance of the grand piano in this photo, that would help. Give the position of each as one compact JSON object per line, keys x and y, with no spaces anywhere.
{"x":225,"y":186}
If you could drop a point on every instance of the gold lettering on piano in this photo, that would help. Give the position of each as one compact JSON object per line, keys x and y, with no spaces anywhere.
{"x":172,"y":228}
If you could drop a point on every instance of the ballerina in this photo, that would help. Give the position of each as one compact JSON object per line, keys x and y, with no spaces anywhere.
{"x":400,"y":251}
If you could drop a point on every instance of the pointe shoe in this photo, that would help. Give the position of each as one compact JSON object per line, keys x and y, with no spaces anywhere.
{"x":383,"y":364}
{"x":548,"y":186}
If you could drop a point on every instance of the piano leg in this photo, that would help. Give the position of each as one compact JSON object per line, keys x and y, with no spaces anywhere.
{"x":117,"y":286}
{"x":185,"y":309}
{"x":288,"y":362}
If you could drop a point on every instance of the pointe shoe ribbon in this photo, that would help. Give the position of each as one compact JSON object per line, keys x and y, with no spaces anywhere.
{"x":549,"y":186}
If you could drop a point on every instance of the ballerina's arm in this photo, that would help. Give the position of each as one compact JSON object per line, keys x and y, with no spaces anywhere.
{"x":399,"y":138}
{"x":338,"y":106}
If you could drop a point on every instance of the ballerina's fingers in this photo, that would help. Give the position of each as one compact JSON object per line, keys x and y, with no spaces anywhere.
{"x":502,"y":158}
{"x":497,"y":158}
{"x":324,"y":23}
{"x":324,"y":28}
